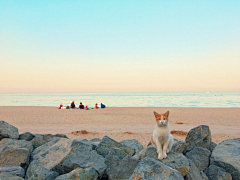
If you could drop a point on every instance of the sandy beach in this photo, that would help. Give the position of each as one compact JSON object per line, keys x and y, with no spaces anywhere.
{"x":121,"y":122}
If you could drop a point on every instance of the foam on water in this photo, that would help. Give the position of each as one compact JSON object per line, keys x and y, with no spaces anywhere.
{"x":125,"y":99}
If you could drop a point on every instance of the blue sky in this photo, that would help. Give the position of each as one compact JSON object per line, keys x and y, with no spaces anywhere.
{"x":119,"y":46}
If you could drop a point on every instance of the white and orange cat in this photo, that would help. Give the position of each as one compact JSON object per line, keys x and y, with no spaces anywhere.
{"x":161,"y":138}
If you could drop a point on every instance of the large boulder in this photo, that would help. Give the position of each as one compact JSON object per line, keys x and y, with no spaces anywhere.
{"x":107,"y":144}
{"x":37,"y":172}
{"x":51,"y":154}
{"x":200,"y":157}
{"x":174,"y":160}
{"x":26,"y":136}
{"x":8,"y":131}
{"x":83,"y":143}
{"x":120,"y":169}
{"x":194,"y":173}
{"x":212,"y":146}
{"x":38,"y":141}
{"x":216,"y":173}
{"x":149,"y":168}
{"x":84,"y":157}
{"x":15,"y":152}
{"x":14,"y":170}
{"x":134,"y":144}
{"x":227,"y":156}
{"x":8,"y":176}
{"x":199,"y":136}
{"x":79,"y":173}
{"x":178,"y":146}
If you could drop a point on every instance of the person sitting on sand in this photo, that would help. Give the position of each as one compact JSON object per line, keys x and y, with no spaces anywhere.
{"x":86,"y":108}
{"x":102,"y":105}
{"x":73,"y":105}
{"x":96,"y":106}
{"x":60,"y":106}
{"x":81,"y":106}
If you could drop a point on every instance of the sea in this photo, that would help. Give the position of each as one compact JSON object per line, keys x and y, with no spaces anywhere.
{"x":125,"y":99}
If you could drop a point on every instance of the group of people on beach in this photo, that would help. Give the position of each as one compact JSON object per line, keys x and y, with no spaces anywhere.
{"x":81,"y":106}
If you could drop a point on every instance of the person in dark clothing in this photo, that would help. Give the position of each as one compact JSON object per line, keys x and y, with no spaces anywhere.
{"x":73,"y":105}
{"x":81,"y":106}
{"x":102,"y":105}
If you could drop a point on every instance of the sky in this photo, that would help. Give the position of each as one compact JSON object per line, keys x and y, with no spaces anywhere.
{"x":119,"y":46}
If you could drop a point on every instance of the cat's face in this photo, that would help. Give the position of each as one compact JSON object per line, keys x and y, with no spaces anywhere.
{"x":161,"y":119}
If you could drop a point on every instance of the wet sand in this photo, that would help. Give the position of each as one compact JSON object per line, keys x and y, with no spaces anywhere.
{"x":121,"y":123}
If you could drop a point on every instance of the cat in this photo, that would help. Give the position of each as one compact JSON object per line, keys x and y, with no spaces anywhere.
{"x":161,"y":138}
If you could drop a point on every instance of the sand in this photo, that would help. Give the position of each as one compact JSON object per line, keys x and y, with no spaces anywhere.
{"x":122,"y":122}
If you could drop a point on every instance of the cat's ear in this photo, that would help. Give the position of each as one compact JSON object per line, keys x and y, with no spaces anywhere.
{"x":167,"y":113}
{"x":156,"y":114}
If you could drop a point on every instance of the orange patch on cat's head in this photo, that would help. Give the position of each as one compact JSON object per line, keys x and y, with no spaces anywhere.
{"x":158,"y":116}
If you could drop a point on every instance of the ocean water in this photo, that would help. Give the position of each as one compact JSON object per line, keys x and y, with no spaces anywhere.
{"x":125,"y":99}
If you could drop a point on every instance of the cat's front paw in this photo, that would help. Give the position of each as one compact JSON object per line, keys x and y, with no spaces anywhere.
{"x":168,"y":150}
{"x":160,"y":157}
{"x":164,"y":155}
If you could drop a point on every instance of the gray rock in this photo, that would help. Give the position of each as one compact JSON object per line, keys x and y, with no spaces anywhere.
{"x":37,"y":172}
{"x":37,"y":142}
{"x":174,"y":160}
{"x":14,"y":170}
{"x":8,"y":176}
{"x":120,"y":169}
{"x":107,"y":144}
{"x":227,"y":156}
{"x":95,"y":140}
{"x":216,"y":173}
{"x":84,"y":157}
{"x":212,"y":146}
{"x":60,"y":135}
{"x":83,"y":143}
{"x":134,"y":144}
{"x":79,"y":173}
{"x":47,"y":137}
{"x":178,"y":146}
{"x":149,"y":168}
{"x":194,"y":173}
{"x":199,"y":136}
{"x":15,"y":152}
{"x":200,"y":157}
{"x":51,"y":154}
{"x":26,"y":136}
{"x":8,"y":131}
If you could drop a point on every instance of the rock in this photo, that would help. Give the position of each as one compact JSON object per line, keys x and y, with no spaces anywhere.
{"x":60,"y":135}
{"x":178,"y":146}
{"x":8,"y":131}
{"x":107,"y":144}
{"x":8,"y":176}
{"x":120,"y":169}
{"x":149,"y":168}
{"x":83,"y":143}
{"x":194,"y":173}
{"x":96,"y":140}
{"x":37,"y":142}
{"x":149,"y":144}
{"x":37,"y":172}
{"x":174,"y":160}
{"x":26,"y":136}
{"x":84,"y":157}
{"x":15,"y":152}
{"x":212,"y":146}
{"x":79,"y":173}
{"x":199,"y":136}
{"x":46,"y":137}
{"x":51,"y":154}
{"x":216,"y":173}
{"x":134,"y":144}
{"x":200,"y":157}
{"x":227,"y":156}
{"x":14,"y":170}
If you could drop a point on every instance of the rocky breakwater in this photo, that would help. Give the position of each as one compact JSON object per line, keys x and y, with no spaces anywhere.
{"x":49,"y":157}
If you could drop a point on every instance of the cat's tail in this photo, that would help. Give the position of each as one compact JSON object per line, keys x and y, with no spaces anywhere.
{"x":152,"y":140}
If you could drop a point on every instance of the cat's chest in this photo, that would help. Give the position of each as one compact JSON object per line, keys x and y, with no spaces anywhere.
{"x":162,"y":135}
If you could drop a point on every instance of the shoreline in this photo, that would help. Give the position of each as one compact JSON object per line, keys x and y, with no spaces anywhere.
{"x":120,"y":123}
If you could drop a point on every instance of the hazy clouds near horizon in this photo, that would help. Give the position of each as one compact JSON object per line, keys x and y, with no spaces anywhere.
{"x":119,"y":46}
